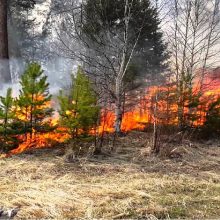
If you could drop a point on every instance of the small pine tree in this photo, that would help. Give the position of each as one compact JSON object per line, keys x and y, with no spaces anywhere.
{"x":7,"y":117}
{"x":78,"y":109}
{"x":212,"y":123}
{"x":34,"y":100}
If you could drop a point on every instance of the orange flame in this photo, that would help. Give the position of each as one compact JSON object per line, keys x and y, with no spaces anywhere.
{"x":136,"y":118}
{"x":42,"y":140}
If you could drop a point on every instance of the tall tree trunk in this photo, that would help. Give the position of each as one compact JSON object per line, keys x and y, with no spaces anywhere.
{"x":4,"y":56}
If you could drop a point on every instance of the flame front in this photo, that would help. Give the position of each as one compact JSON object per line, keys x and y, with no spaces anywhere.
{"x":136,"y":118}
{"x":41,"y":140}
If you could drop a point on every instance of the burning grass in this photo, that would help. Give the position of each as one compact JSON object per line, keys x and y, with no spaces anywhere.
{"x":124,"y":185}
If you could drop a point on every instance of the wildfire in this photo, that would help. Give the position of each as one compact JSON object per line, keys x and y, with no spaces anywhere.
{"x":41,"y":140}
{"x":136,"y":118}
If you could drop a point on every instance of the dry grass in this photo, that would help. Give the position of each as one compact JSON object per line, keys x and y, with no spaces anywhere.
{"x":126,"y":185}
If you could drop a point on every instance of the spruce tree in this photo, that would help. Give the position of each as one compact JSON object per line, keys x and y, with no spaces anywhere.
{"x":78,"y":109}
{"x":34,"y":100}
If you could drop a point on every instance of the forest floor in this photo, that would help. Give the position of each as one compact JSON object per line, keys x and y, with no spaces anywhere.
{"x":127,"y":184}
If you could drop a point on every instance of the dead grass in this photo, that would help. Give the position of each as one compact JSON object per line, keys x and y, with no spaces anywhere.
{"x":125,"y":185}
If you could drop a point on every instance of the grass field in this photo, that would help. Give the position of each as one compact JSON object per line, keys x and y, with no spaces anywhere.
{"x":127,"y":184}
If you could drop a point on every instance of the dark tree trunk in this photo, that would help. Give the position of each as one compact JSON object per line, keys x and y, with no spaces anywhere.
{"x":156,"y":146}
{"x":4,"y":56}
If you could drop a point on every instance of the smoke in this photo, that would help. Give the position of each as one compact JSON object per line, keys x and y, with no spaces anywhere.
{"x":35,"y":48}
{"x":17,"y":67}
{"x":4,"y":71}
{"x":15,"y":87}
{"x":58,"y":71}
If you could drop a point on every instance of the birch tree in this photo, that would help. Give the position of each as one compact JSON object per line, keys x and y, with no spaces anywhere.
{"x":113,"y":36}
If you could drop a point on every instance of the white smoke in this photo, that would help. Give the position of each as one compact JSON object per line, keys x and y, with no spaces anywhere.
{"x":15,"y":89}
{"x":58,"y":70}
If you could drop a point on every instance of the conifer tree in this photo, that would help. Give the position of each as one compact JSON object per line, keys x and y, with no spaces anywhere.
{"x":34,"y":100}
{"x":212,"y":122}
{"x":78,"y":109}
{"x":7,"y":117}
